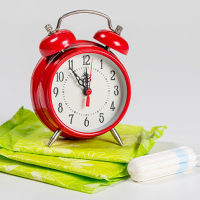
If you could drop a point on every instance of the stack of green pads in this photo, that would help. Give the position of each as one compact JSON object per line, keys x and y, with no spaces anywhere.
{"x":83,"y":165}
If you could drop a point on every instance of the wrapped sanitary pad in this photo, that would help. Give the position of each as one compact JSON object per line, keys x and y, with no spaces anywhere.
{"x":161,"y":164}
{"x":81,"y":165}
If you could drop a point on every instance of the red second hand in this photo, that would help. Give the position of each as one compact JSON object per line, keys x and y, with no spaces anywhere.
{"x":88,"y":92}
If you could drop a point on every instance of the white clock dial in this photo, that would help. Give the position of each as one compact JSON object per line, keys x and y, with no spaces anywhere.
{"x":107,"y":99}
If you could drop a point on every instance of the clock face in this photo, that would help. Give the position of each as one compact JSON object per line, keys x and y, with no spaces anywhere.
{"x":88,"y":103}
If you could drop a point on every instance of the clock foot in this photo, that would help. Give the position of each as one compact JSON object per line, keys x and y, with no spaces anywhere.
{"x":54,"y":137}
{"x":116,"y":136}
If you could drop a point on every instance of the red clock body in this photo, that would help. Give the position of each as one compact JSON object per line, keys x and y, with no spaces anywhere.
{"x":44,"y":76}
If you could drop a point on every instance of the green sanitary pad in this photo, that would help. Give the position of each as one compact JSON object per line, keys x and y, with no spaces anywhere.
{"x":82,"y":165}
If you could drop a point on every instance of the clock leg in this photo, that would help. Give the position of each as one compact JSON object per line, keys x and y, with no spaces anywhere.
{"x":54,"y":137}
{"x":116,"y":136}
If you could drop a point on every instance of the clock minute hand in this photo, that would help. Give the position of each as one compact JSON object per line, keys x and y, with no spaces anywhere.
{"x":80,"y":81}
{"x":88,"y":92}
{"x":86,"y":79}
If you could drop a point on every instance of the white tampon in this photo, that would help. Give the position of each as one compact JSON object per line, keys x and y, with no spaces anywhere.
{"x":161,"y":164}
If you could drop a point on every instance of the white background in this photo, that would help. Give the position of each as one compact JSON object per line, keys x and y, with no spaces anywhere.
{"x":163,"y":64}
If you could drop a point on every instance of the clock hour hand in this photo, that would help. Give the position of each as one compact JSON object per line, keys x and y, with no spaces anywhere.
{"x":80,"y":81}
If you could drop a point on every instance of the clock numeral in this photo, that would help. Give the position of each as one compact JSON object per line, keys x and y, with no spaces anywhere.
{"x":70,"y":64}
{"x":86,"y":122}
{"x":112,"y":107}
{"x":59,"y":76}
{"x":101,"y":61}
{"x":86,"y":60}
{"x":116,"y":92}
{"x":113,"y":74}
{"x":101,"y":117}
{"x":55,"y":91}
{"x":60,"y":108}
{"x":71,"y":115}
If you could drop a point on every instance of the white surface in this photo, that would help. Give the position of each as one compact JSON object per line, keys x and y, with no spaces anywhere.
{"x":164,"y":68}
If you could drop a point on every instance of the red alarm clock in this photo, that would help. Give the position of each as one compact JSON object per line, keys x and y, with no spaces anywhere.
{"x":79,"y":88}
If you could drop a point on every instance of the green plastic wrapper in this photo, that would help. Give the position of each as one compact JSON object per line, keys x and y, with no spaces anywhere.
{"x":81,"y":165}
